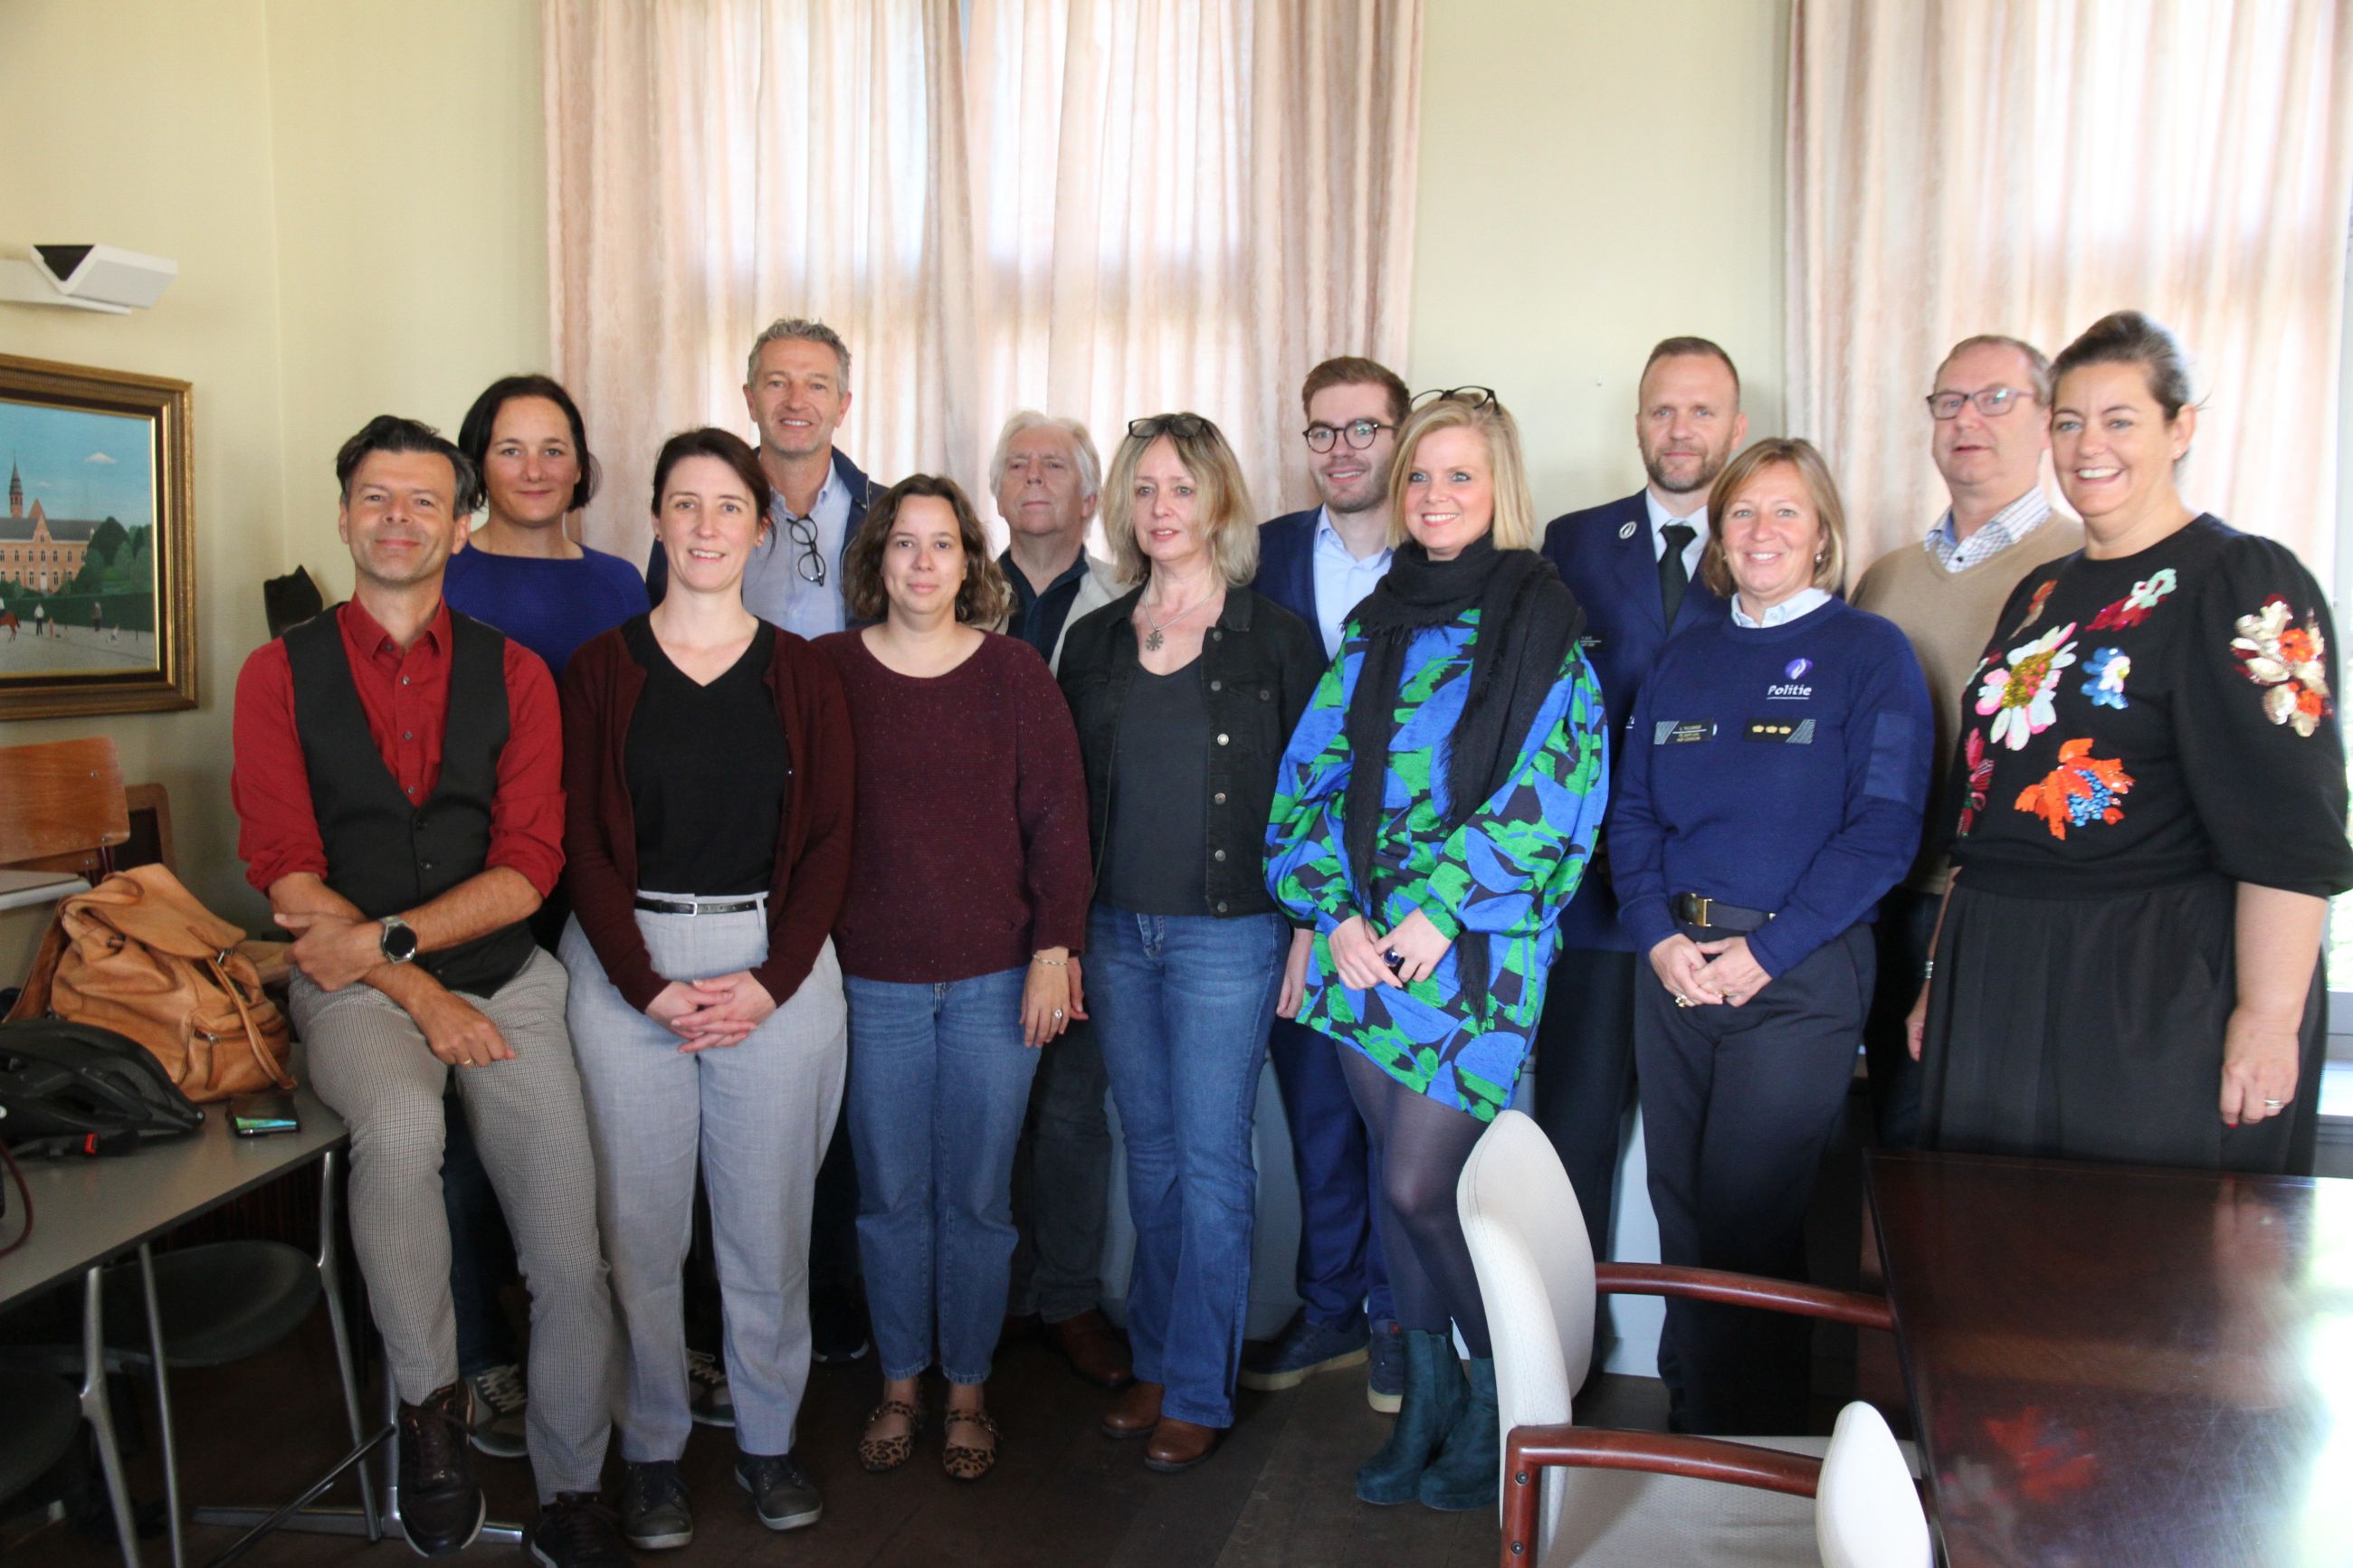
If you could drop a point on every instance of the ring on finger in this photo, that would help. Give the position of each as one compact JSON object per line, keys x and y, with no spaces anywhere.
{"x":2274,"y":1104}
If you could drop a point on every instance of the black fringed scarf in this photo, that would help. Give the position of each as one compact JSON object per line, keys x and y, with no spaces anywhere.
{"x":1528,"y":620}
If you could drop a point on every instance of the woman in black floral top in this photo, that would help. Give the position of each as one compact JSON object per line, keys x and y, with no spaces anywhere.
{"x":2151,"y":819}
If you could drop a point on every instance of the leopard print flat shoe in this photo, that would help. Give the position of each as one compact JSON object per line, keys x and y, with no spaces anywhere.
{"x":880,"y":1454}
{"x":963,"y":1462}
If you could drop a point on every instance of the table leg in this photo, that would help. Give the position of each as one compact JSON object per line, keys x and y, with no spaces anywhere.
{"x":330,"y":1281}
{"x":162,"y":1402}
{"x":95,"y":1409}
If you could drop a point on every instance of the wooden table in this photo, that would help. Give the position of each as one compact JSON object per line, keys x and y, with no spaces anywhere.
{"x":2112,"y":1365}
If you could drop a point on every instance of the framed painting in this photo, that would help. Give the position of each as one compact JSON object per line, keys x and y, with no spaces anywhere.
{"x":97,"y":543}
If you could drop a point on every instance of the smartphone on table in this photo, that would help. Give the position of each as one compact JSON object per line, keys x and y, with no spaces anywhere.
{"x":259,"y":1115}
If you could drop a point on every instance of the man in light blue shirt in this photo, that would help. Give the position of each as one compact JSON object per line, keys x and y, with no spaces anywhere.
{"x":1319,"y":565}
{"x":797,"y":390}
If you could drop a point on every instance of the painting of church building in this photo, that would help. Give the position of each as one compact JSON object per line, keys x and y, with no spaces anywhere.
{"x":37,"y":550}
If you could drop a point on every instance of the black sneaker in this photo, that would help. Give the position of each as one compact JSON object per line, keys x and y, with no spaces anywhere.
{"x":500,"y":1408}
{"x":655,"y":1512}
{"x":782,"y":1493}
{"x":575,"y":1531}
{"x":838,"y":1327}
{"x":708,"y":1399}
{"x":440,"y":1506}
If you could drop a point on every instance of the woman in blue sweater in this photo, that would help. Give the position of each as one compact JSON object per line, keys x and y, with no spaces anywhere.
{"x":1770,"y":791}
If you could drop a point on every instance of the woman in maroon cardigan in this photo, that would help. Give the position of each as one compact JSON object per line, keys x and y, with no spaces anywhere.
{"x":708,"y":762}
{"x":968,"y":887}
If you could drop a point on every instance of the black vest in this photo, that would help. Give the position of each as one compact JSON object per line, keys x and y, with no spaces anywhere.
{"x":383,"y":854}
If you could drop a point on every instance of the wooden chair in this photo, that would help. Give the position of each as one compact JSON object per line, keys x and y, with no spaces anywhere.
{"x":62,"y":806}
{"x":1593,"y":1497}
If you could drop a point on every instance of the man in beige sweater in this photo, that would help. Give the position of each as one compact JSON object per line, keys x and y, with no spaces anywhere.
{"x":1989,"y":424}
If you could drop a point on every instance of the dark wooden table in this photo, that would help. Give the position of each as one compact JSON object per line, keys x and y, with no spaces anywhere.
{"x":2113,"y":1365}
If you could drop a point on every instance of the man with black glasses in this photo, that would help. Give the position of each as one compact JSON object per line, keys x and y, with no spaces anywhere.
{"x":796,"y":389}
{"x":1319,"y":565}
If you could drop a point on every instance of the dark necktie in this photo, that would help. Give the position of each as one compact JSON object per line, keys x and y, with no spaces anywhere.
{"x":1673,"y":576}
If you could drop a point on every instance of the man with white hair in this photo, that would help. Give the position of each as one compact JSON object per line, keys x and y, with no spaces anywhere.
{"x":1049,"y":481}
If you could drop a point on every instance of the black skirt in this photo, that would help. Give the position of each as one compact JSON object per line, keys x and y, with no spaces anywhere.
{"x":2091,"y":1029}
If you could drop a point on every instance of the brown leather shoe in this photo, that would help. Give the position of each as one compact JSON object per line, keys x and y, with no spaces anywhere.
{"x":1178,"y":1444}
{"x":1093,"y":1349}
{"x":1136,"y":1413}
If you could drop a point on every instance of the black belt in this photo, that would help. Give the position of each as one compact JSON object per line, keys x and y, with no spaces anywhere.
{"x":1699,"y":909}
{"x":679,"y":907}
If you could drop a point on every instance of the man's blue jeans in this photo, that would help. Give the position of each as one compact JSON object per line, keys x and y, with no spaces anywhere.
{"x":1181,"y":1003}
{"x":939,"y":1083}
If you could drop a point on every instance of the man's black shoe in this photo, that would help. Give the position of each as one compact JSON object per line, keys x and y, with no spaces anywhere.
{"x":576,"y":1531}
{"x":440,"y":1506}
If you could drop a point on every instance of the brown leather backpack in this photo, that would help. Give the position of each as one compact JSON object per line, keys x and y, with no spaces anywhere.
{"x":138,"y":954}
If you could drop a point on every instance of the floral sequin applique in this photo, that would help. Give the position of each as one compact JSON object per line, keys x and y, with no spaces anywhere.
{"x":2134,"y":606}
{"x":2287,"y":659}
{"x":2034,"y":606}
{"x":2018,"y":695}
{"x":2081,"y":790}
{"x":1980,"y":778}
{"x":2108,"y":667}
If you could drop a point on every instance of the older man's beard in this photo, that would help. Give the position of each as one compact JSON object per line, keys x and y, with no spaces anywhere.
{"x":1709,"y":467}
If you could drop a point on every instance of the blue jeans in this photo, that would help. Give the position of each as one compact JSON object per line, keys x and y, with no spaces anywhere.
{"x":1181,"y":1003}
{"x":939,"y":1083}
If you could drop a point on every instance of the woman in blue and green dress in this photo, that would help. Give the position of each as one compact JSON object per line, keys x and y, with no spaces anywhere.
{"x":1434,"y":884}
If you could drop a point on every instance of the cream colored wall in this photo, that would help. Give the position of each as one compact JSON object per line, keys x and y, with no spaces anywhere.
{"x":354,"y":195}
{"x":412,"y":248}
{"x":153,"y":133}
{"x":1596,"y":176}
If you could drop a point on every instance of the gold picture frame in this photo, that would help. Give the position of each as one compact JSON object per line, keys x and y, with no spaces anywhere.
{"x":97,"y":602}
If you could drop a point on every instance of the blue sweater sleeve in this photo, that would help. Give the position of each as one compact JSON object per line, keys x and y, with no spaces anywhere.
{"x":1890,"y":737}
{"x":1638,"y":842}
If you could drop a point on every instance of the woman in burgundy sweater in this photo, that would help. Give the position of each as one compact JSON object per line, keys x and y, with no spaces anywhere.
{"x":707,"y":759}
{"x":968,"y":887}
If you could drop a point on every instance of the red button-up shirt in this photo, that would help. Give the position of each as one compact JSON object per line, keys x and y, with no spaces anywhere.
{"x":405,"y":693}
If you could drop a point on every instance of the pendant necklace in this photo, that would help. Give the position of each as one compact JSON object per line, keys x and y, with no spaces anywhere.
{"x":1154,"y":638}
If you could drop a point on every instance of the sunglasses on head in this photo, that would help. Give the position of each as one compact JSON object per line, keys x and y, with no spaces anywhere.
{"x":1476,"y":396}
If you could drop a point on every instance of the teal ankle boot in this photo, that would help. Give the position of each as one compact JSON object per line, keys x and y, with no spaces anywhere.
{"x":1434,"y":1398}
{"x":1467,"y":1470}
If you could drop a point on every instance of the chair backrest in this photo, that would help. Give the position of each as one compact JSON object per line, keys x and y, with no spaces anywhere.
{"x":1535,"y":1265}
{"x":1866,"y":1509}
{"x":61,"y":803}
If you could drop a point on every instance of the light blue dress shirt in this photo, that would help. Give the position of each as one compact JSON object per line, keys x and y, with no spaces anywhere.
{"x":773,"y":588}
{"x":1342,"y":581}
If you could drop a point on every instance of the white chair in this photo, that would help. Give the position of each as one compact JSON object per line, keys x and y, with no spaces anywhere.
{"x":1595,"y":1497}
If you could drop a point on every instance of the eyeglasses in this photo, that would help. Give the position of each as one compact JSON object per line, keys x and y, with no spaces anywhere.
{"x":809,"y":563}
{"x":1184,"y":426}
{"x":1993,"y":402}
{"x":1361,"y":433}
{"x":1476,"y":396}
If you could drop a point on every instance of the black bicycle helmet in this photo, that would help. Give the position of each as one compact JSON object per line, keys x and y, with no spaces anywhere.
{"x":74,"y":1087}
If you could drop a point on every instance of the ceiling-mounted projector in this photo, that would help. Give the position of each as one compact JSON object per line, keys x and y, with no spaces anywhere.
{"x":88,"y":277}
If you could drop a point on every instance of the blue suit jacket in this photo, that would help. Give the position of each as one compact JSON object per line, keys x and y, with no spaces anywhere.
{"x":1286,"y":565}
{"x":863,"y":493}
{"x":1605,"y":556}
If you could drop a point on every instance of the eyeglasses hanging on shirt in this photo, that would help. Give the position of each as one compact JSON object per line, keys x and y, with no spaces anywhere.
{"x":809,"y":563}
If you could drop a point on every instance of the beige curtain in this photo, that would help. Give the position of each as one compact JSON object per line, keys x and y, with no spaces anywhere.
{"x":1101,"y":207}
{"x":713,"y":167}
{"x":2026,"y":166}
{"x":1187,"y":203}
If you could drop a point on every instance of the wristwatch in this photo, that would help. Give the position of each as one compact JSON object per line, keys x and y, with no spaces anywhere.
{"x":398,"y":943}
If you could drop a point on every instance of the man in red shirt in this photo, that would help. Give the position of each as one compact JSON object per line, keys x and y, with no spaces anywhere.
{"x":398,"y":789}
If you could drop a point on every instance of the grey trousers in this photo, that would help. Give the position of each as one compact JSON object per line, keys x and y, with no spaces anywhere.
{"x":758,"y":1116}
{"x":368,"y":1060}
{"x":1062,"y":1182}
